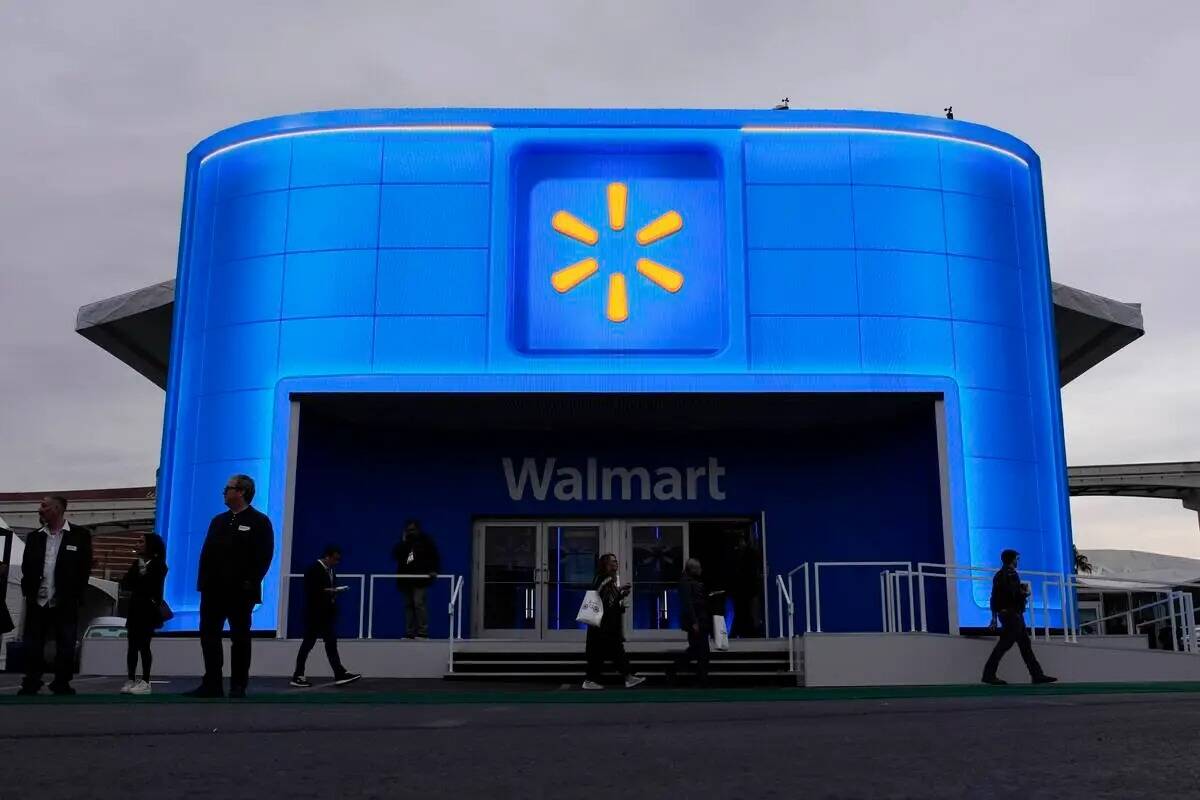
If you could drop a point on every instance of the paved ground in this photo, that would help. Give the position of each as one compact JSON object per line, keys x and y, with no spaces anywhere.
{"x":391,"y":739}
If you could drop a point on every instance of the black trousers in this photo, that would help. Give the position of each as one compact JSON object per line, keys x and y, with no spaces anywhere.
{"x":215,"y":609}
{"x":61,"y":622}
{"x":697,"y":650}
{"x":139,"y":645}
{"x":604,"y":647}
{"x":1012,"y":631}
{"x":325,"y":631}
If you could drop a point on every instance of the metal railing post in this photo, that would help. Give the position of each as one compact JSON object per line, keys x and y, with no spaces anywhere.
{"x":883,"y":601}
{"x":921,"y":595}
{"x":779,"y":603}
{"x":362,"y":601}
{"x":807,"y":620}
{"x":1045,"y":612}
{"x":371,"y":611}
{"x":1171,"y":614}
{"x":817,"y":592}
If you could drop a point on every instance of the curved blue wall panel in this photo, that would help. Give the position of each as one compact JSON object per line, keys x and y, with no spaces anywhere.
{"x":845,"y":248}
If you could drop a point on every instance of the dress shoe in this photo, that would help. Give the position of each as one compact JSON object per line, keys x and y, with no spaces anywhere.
{"x":993,"y":681}
{"x":205,"y":692}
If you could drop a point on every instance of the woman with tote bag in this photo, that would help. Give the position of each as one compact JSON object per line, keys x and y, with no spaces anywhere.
{"x":606,"y":641}
{"x":147,"y":612}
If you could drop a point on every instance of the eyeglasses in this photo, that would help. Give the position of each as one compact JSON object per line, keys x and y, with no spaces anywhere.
{"x":230,"y":489}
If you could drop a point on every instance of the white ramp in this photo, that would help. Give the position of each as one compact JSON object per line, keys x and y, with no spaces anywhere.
{"x":925,"y":659}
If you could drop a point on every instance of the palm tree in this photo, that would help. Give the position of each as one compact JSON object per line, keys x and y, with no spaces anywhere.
{"x":1081,"y":560}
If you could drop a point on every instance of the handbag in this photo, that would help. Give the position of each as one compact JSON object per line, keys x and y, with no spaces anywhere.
{"x":6,"y":623}
{"x":591,"y":610}
{"x":720,"y":633}
{"x":165,"y":613}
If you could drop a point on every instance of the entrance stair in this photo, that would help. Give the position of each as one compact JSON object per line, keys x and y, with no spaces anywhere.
{"x":749,"y":662}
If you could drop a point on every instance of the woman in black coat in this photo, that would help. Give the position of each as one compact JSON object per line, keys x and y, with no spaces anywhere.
{"x":144,"y":582}
{"x":606,"y":643}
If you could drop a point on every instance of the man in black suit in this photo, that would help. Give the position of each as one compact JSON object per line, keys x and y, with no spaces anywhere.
{"x":236,"y":555}
{"x":54,"y":575}
{"x":320,"y":617}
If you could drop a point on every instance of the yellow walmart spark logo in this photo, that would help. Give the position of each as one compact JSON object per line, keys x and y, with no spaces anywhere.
{"x":617,"y":307}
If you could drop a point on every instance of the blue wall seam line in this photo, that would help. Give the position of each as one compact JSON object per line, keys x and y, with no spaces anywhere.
{"x":967,"y":256}
{"x":349,"y":129}
{"x":287,"y":219}
{"x":946,"y":245}
{"x":766,"y":129}
{"x":378,"y":240}
{"x":487,"y":260}
{"x":854,"y":237}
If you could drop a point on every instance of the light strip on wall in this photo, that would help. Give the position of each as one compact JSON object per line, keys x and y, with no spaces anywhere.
{"x":354,"y":129}
{"x":886,"y":131}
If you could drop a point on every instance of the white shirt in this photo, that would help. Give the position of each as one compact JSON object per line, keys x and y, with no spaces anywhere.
{"x":53,"y":544}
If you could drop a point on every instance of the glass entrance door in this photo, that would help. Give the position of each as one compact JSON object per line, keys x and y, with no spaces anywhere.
{"x":572,"y":550}
{"x":507,"y":568}
{"x":530,"y":576}
{"x":653,"y":556}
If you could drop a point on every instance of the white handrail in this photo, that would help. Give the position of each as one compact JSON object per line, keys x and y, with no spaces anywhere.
{"x":817,"y":581}
{"x":1060,"y":580}
{"x":362,"y":589}
{"x":397,"y":576}
{"x":807,"y":594}
{"x":456,"y":585}
{"x":783,"y":593}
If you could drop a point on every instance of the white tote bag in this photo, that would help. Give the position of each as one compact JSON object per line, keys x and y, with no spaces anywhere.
{"x":720,"y":633}
{"x":591,"y":610}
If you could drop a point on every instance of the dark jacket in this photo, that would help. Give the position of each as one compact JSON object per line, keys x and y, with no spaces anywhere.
{"x":320,"y":606}
{"x":693,"y":604}
{"x":1007,"y":592}
{"x":416,"y":556}
{"x":236,"y":555}
{"x":71,"y":570}
{"x":145,"y":595}
{"x":612,"y":623}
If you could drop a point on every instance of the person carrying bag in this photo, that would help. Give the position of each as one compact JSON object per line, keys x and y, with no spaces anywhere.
{"x":606,"y":640}
{"x":146,"y":612}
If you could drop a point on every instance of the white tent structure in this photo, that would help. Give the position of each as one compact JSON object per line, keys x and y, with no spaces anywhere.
{"x":1157,"y":571}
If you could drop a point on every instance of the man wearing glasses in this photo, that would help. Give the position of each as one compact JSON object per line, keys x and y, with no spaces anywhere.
{"x":235,"y":558}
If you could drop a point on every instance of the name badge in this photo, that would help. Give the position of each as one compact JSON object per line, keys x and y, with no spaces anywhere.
{"x":243,"y":527}
{"x":72,"y":547}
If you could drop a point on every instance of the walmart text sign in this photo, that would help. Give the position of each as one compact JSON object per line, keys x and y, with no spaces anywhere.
{"x":543,"y":477}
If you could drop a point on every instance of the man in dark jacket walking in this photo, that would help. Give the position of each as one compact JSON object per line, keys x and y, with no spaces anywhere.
{"x":320,"y":618}
{"x":416,"y":555}
{"x":54,"y":576}
{"x":695,"y":621}
{"x":1009,"y":597}
{"x":236,"y":555}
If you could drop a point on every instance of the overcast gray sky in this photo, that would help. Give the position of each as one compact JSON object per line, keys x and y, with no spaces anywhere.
{"x":100,"y":102}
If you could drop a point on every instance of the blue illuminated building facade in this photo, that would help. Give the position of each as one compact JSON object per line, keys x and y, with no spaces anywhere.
{"x":806,"y":336}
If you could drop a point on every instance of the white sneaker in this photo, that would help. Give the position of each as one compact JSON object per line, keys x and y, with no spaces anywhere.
{"x":127,"y":687}
{"x":634,"y":680}
{"x":140,"y":687}
{"x":592,"y":686}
